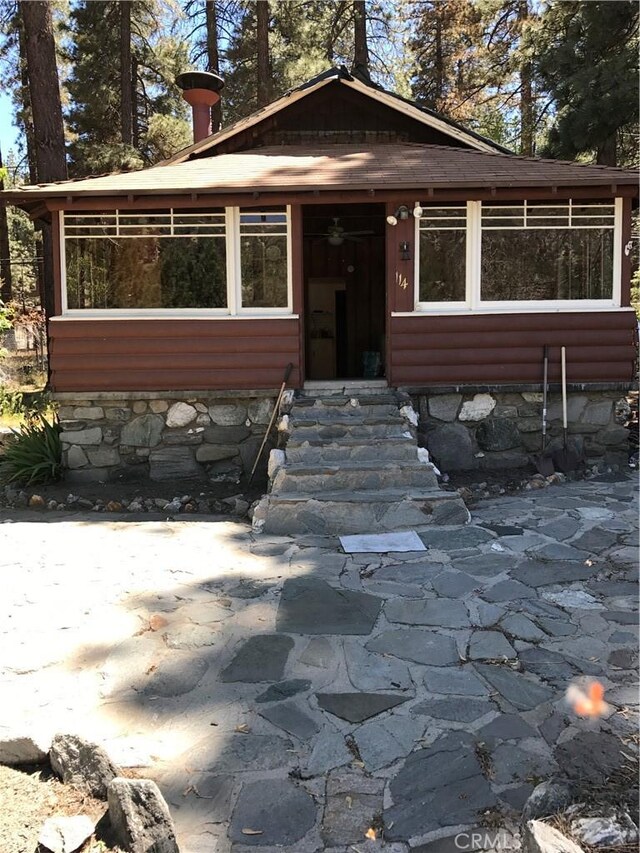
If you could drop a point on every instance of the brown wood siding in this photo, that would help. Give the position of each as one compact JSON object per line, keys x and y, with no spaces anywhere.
{"x":334,"y":110}
{"x":507,"y":348}
{"x":172,"y":355}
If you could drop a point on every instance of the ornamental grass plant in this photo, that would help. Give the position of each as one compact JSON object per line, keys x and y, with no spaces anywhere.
{"x":35,"y":453}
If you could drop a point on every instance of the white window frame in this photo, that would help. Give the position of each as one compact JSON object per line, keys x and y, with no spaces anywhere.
{"x":234,"y":309}
{"x":236,"y":269}
{"x":473,"y":267}
{"x":431,"y":307}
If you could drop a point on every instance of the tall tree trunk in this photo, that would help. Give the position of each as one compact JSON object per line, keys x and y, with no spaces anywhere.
{"x":360,"y":48}
{"x":439,"y":66}
{"x":607,"y":154}
{"x":135,"y":117}
{"x":6,"y":286}
{"x":213,"y":56}
{"x":48,"y":129}
{"x":126,"y":105}
{"x":25,"y":98}
{"x":262,"y":45}
{"x":527,"y":112}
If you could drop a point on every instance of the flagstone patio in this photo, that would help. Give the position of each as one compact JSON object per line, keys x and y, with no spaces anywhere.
{"x":285,"y":695}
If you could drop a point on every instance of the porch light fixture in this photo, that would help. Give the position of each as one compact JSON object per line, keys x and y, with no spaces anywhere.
{"x":405,"y":251}
{"x":401,"y":213}
{"x":417,"y":210}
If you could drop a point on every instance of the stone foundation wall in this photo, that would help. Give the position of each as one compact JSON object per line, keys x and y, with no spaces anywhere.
{"x":504,"y":430}
{"x":162,"y":437}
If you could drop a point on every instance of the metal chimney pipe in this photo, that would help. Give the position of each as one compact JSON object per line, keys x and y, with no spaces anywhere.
{"x":201,"y":90}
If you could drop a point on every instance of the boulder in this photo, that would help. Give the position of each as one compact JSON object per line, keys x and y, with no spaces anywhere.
{"x":139,"y":817}
{"x":451,"y":447}
{"x":228,"y":414}
{"x":62,"y":834}
{"x":88,"y":413}
{"x":180,"y":414}
{"x":497,"y":434}
{"x":548,"y":798}
{"x":76,"y":457}
{"x":169,"y":463}
{"x":82,"y":764}
{"x":21,"y":750}
{"x":444,"y":407}
{"x":539,"y":837}
{"x":144,"y":431}
{"x":477,"y":409}
{"x":260,"y":411}
{"x":103,"y":457}
{"x":614,"y":831}
{"x":93,"y":435}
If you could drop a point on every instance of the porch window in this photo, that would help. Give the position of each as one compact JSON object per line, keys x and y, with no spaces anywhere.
{"x":547,"y":252}
{"x":219,"y":261}
{"x":514,"y":256}
{"x":441,"y":268}
{"x":263,"y":259}
{"x":169,"y":259}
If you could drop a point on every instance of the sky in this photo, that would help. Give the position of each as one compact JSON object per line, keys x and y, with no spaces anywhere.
{"x":8,"y":132}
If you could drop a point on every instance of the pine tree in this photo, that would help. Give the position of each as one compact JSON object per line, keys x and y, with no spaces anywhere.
{"x":118,"y":89}
{"x":588,"y":59}
{"x":46,"y":107}
{"x":6,"y":285}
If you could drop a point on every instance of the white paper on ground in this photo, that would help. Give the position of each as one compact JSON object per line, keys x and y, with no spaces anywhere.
{"x":381,"y":543}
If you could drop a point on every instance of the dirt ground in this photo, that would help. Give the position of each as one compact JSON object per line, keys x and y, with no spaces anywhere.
{"x":30,"y":795}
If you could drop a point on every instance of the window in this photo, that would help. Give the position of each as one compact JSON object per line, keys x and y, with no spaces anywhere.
{"x":263,"y":259}
{"x":540,"y":252}
{"x":221,"y":261}
{"x":442,"y":238}
{"x":518,"y":255}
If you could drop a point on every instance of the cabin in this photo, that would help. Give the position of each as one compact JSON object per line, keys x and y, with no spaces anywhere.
{"x":373,"y":245}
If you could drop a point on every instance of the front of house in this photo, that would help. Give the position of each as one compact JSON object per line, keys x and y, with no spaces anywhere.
{"x":364,"y":240}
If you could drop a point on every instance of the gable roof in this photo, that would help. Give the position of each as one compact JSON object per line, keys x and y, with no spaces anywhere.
{"x":371,"y":90}
{"x":291,"y":168}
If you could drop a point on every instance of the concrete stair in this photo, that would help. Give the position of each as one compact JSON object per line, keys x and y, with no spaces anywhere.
{"x":351,"y":465}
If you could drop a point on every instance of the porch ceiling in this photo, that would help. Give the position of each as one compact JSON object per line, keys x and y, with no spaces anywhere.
{"x":337,"y":167}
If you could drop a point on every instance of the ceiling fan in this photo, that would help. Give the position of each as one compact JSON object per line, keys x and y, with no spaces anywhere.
{"x":335,"y":234}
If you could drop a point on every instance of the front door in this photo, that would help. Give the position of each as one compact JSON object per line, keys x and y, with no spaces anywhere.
{"x":344,"y":276}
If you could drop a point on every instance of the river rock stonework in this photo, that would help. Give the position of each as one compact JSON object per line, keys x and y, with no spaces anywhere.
{"x":162,"y":437}
{"x":490,"y":430}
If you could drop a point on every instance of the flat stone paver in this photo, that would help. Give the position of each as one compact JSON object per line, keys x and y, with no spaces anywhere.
{"x":312,"y":606}
{"x":356,"y":707}
{"x":259,"y":659}
{"x":287,"y":696}
{"x":444,"y":612}
{"x":416,"y":645}
{"x":460,"y":682}
{"x":279,"y":813}
{"x":490,"y":645}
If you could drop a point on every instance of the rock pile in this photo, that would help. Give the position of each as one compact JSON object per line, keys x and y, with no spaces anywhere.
{"x":235,"y":505}
{"x":137,"y":819}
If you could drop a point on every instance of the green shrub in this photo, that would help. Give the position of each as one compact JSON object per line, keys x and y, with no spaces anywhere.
{"x":35,"y":456}
{"x":10,"y":402}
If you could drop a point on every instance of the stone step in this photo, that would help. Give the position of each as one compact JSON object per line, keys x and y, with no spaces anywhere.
{"x":346,"y":414}
{"x":336,"y":513}
{"x":337,"y":401}
{"x":361,"y":476}
{"x":381,"y":450}
{"x":336,"y":432}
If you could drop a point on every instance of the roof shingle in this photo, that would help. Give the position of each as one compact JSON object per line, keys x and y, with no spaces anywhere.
{"x":341,"y":166}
